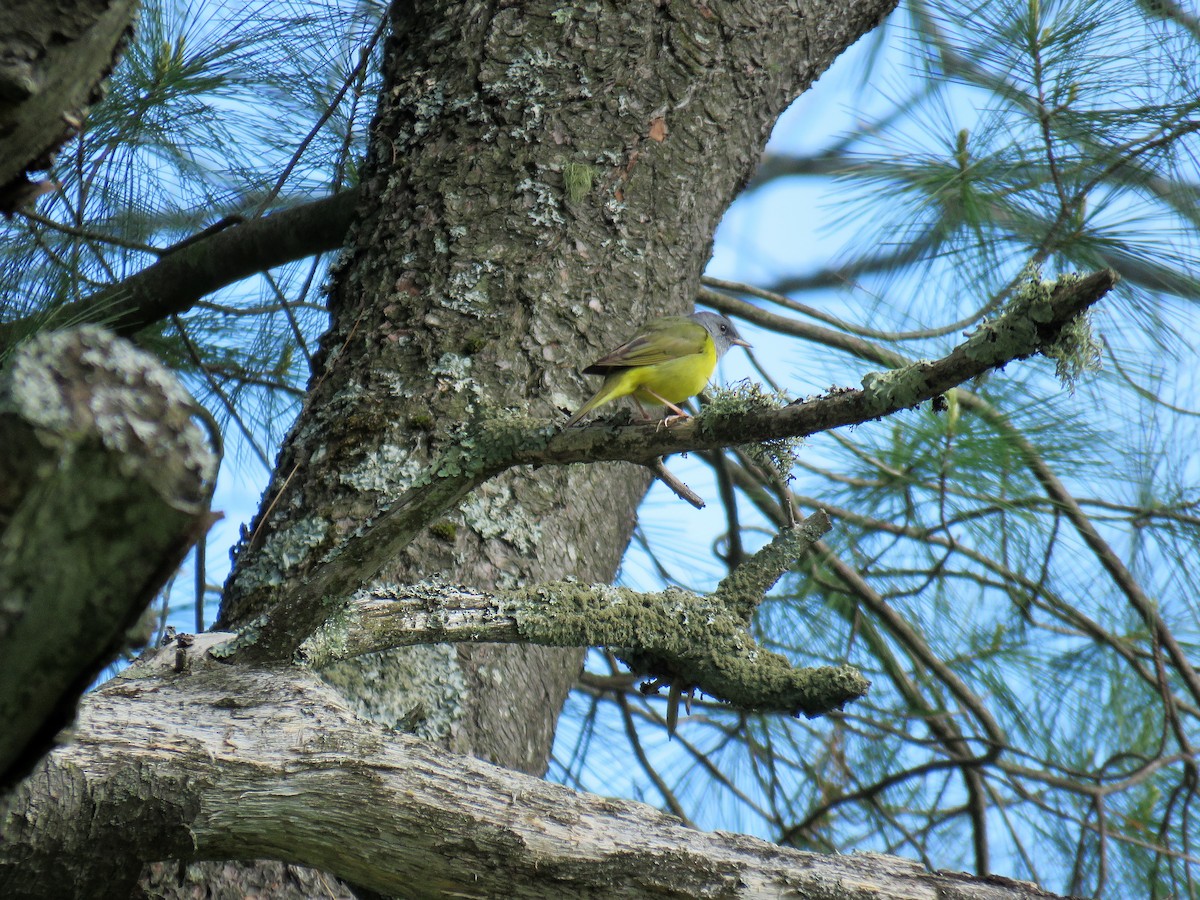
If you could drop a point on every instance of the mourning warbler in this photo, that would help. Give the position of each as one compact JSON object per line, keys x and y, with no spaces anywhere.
{"x":667,"y":361}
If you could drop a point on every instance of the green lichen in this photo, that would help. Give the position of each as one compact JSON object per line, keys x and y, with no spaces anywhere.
{"x":282,"y":551}
{"x":388,"y":469}
{"x":330,"y":640}
{"x":247,"y":636}
{"x":896,"y":388}
{"x":778,"y":456}
{"x":493,"y":513}
{"x":743,"y":589}
{"x":489,"y":443}
{"x":468,"y":290}
{"x":1076,"y":351}
{"x":545,"y":210}
{"x":570,"y":614}
{"x":681,"y":638}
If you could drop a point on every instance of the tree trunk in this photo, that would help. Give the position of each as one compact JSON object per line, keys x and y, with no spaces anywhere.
{"x":540,"y":179}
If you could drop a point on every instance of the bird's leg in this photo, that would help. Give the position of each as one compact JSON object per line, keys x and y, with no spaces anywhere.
{"x":679,"y":416}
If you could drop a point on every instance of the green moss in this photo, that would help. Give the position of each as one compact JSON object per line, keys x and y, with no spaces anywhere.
{"x":445,"y":531}
{"x":578,"y":179}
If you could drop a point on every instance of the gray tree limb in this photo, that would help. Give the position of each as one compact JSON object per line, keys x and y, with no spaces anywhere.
{"x":186,"y":757}
{"x":181,"y":277}
{"x":53,"y":58}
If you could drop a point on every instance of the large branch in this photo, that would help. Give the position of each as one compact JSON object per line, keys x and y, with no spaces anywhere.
{"x":186,"y":758}
{"x":104,"y":486}
{"x":53,"y":59}
{"x":1032,"y":324}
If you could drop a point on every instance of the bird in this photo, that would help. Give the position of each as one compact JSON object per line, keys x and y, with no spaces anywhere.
{"x":667,"y":361}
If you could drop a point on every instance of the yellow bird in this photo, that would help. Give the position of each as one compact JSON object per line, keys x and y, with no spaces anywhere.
{"x":667,"y":361}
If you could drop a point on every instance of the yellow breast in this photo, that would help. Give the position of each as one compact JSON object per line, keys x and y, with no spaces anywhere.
{"x":676,"y":379}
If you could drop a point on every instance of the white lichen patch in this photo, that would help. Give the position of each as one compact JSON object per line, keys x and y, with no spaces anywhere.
{"x":283,"y":550}
{"x":468,"y":289}
{"x":528,"y":81}
{"x":453,"y":371}
{"x":86,"y":384}
{"x":387,"y":470}
{"x":544,"y":203}
{"x":493,"y":513}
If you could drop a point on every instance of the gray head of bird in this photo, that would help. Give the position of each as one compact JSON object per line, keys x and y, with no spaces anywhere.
{"x":723,"y":333}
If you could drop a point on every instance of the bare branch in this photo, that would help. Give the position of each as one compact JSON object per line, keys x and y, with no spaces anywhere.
{"x":177,"y":281}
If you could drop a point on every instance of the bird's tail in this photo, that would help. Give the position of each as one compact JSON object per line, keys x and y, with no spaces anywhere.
{"x":608,"y":391}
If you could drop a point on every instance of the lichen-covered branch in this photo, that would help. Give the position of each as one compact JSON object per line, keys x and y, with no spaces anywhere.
{"x":674,"y":635}
{"x":104,"y":486}
{"x":183,"y":757}
{"x":1033,"y":323}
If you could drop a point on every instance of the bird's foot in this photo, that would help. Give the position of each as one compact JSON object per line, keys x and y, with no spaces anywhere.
{"x":668,"y":421}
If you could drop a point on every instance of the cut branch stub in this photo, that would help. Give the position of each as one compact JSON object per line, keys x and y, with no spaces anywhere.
{"x":105,"y":482}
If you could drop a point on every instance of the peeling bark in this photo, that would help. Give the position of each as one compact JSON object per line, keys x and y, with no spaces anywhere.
{"x":215,"y":761}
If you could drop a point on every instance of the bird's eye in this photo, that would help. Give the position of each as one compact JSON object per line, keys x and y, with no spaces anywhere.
{"x":724,"y":328}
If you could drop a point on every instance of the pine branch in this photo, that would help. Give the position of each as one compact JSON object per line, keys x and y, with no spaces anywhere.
{"x":176,"y":282}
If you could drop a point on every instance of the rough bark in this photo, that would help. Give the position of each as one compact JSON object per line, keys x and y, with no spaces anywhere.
{"x":539,"y":177}
{"x":104,"y":487}
{"x":205,"y":760}
{"x":53,"y":60}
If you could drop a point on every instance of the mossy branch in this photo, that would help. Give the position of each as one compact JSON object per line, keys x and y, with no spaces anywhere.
{"x":673,"y":635}
{"x":1033,"y":323}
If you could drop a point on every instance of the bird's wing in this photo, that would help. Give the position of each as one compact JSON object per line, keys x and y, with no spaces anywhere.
{"x":659,"y":341}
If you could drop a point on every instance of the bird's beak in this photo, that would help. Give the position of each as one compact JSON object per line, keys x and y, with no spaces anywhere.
{"x":740,"y":343}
